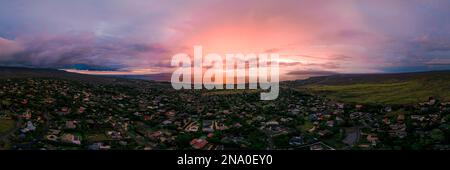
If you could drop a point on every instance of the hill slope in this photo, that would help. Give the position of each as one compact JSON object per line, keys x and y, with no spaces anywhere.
{"x":399,"y":88}
{"x":20,"y":73}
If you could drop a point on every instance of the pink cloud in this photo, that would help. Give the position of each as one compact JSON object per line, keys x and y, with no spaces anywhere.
{"x":9,"y":47}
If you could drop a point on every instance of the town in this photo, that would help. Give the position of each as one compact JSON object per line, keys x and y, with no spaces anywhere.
{"x":59,"y":114}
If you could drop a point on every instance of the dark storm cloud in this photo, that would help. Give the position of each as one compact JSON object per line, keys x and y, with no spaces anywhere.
{"x":66,"y":50}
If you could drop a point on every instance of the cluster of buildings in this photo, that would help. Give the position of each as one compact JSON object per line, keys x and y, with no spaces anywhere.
{"x":62,"y":114}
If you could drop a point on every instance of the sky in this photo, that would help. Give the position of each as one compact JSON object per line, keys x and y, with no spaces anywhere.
{"x":313,"y":38}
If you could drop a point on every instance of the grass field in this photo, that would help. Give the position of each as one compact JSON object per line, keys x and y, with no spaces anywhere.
{"x":97,"y":137}
{"x":383,"y":93}
{"x":305,"y":127}
{"x":6,"y":125}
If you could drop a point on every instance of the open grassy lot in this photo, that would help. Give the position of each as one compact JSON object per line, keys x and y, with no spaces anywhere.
{"x":97,"y":137}
{"x":6,"y":125}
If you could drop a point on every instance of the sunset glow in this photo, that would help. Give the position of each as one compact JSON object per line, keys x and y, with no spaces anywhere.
{"x":312,"y":37}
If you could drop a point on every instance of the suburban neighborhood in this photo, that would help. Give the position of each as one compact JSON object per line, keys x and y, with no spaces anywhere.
{"x":56,"y":114}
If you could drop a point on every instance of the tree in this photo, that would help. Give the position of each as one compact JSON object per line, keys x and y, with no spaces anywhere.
{"x":183,"y":140}
{"x":437,"y":135}
{"x":281,"y":140}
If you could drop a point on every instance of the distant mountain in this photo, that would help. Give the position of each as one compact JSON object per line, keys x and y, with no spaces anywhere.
{"x":21,"y":72}
{"x":81,"y":66}
{"x":398,"y":88}
{"x":346,"y":79}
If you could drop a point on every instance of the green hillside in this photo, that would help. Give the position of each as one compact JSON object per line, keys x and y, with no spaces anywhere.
{"x":406,"y":88}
